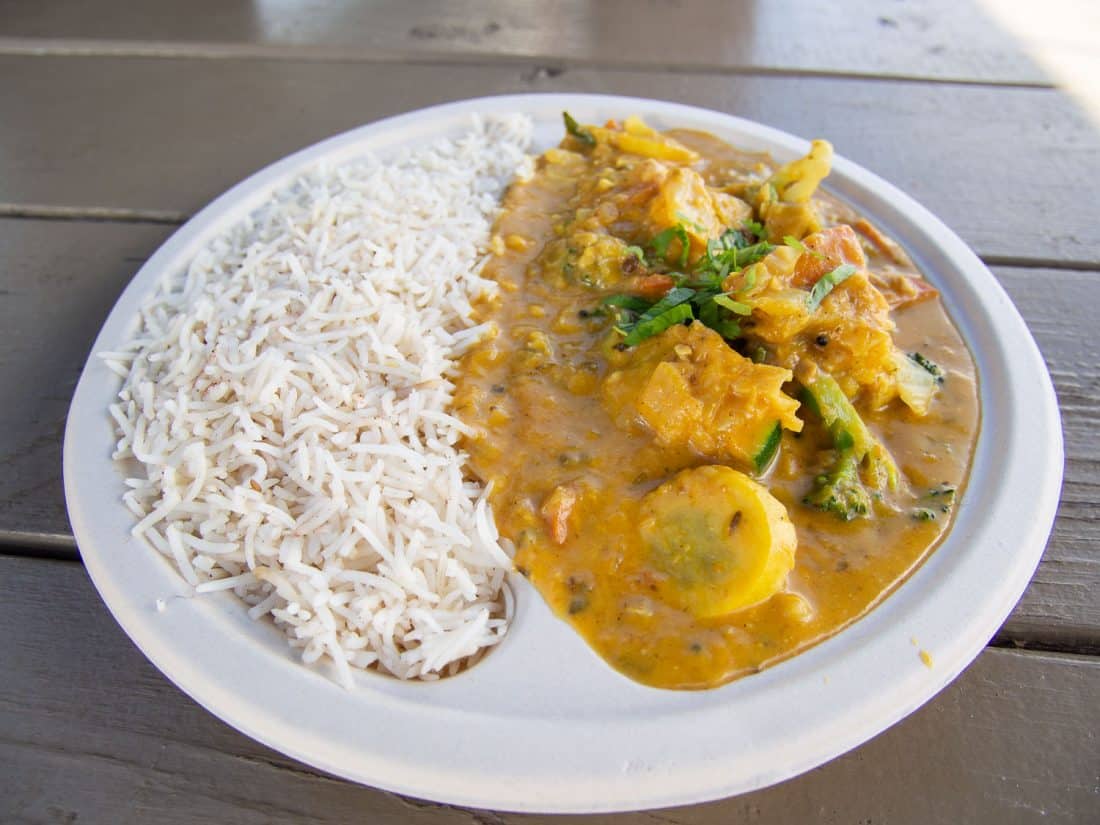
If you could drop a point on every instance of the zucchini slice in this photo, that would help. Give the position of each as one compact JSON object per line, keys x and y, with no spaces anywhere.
{"x":723,"y":542}
{"x":769,"y":448}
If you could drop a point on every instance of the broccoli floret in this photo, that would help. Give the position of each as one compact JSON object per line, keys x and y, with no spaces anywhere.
{"x":840,"y":491}
{"x":863,"y":467}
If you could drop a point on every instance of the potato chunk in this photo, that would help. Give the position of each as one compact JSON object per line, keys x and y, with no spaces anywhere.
{"x":850,"y":334}
{"x":690,"y":389}
{"x":722,"y":539}
{"x":684,"y":198}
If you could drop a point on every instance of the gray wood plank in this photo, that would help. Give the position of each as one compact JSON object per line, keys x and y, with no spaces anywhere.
{"x":59,"y":280}
{"x":1062,"y":603}
{"x":1001,"y":166}
{"x":942,"y":39}
{"x":91,"y":733}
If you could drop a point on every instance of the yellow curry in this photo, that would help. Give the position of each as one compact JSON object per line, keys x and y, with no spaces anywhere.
{"x":722,"y":415}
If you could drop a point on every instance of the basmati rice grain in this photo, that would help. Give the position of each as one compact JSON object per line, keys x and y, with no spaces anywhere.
{"x":286,"y":407}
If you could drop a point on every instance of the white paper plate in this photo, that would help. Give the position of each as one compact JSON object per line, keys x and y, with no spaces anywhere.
{"x":542,"y":724}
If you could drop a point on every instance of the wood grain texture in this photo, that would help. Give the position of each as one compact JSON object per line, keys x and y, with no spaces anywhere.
{"x":59,"y":280}
{"x":91,"y":733}
{"x":935,"y":38}
{"x":1062,"y":603}
{"x":175,"y":100}
{"x":1003,"y":166}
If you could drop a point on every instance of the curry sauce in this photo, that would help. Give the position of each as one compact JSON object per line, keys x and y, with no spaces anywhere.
{"x":669,"y":476}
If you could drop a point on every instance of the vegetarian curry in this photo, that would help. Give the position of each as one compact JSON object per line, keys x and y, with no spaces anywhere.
{"x":722,"y":414}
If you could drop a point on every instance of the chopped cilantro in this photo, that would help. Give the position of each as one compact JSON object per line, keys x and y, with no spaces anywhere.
{"x":827,"y":283}
{"x":578,"y":131}
{"x":662,"y":240}
{"x":733,"y":306}
{"x":801,"y":248}
{"x":651,"y":323}
{"x":630,"y":302}
{"x":728,"y":329}
{"x":731,"y":253}
{"x":750,"y":280}
{"x":686,"y":221}
{"x":941,"y":498}
{"x":794,"y":243}
{"x":698,"y":295}
{"x":755,"y":228}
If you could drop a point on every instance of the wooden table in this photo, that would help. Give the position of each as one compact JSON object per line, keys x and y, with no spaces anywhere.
{"x":118,"y":120}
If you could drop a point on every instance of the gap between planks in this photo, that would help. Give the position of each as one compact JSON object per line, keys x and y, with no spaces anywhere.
{"x":549,"y":65}
{"x":1087,"y":649}
{"x":95,"y":214}
{"x":65,"y":739}
{"x":53,"y":546}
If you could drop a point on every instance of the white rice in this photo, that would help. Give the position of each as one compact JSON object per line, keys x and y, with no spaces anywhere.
{"x":286,"y":400}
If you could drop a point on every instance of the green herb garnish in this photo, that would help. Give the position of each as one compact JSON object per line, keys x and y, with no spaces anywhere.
{"x":794,"y":243}
{"x":736,"y":307}
{"x":630,"y":302}
{"x":728,"y":329}
{"x":637,"y":252}
{"x":662,"y":240}
{"x":686,"y":221}
{"x":941,"y":497}
{"x":653,"y":324}
{"x":698,"y":295}
{"x":730,"y":253}
{"x":578,"y":131}
{"x":827,"y":283}
{"x":674,"y":297}
{"x":674,"y":308}
{"x":750,"y":280}
{"x":801,"y":248}
{"x":755,"y":228}
{"x":751,"y":254}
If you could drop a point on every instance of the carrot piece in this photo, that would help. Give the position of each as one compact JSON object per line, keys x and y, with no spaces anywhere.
{"x":556,"y":511}
{"x":883,"y":244}
{"x":652,"y":287}
{"x":903,"y":290}
{"x":825,"y":251}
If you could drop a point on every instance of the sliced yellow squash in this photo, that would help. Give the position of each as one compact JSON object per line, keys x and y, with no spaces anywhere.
{"x":722,"y":539}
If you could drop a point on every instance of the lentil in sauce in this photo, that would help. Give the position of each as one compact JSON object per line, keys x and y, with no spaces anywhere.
{"x":674,"y":480}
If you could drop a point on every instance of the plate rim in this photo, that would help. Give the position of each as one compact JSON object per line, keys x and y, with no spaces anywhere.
{"x":646,"y":782}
